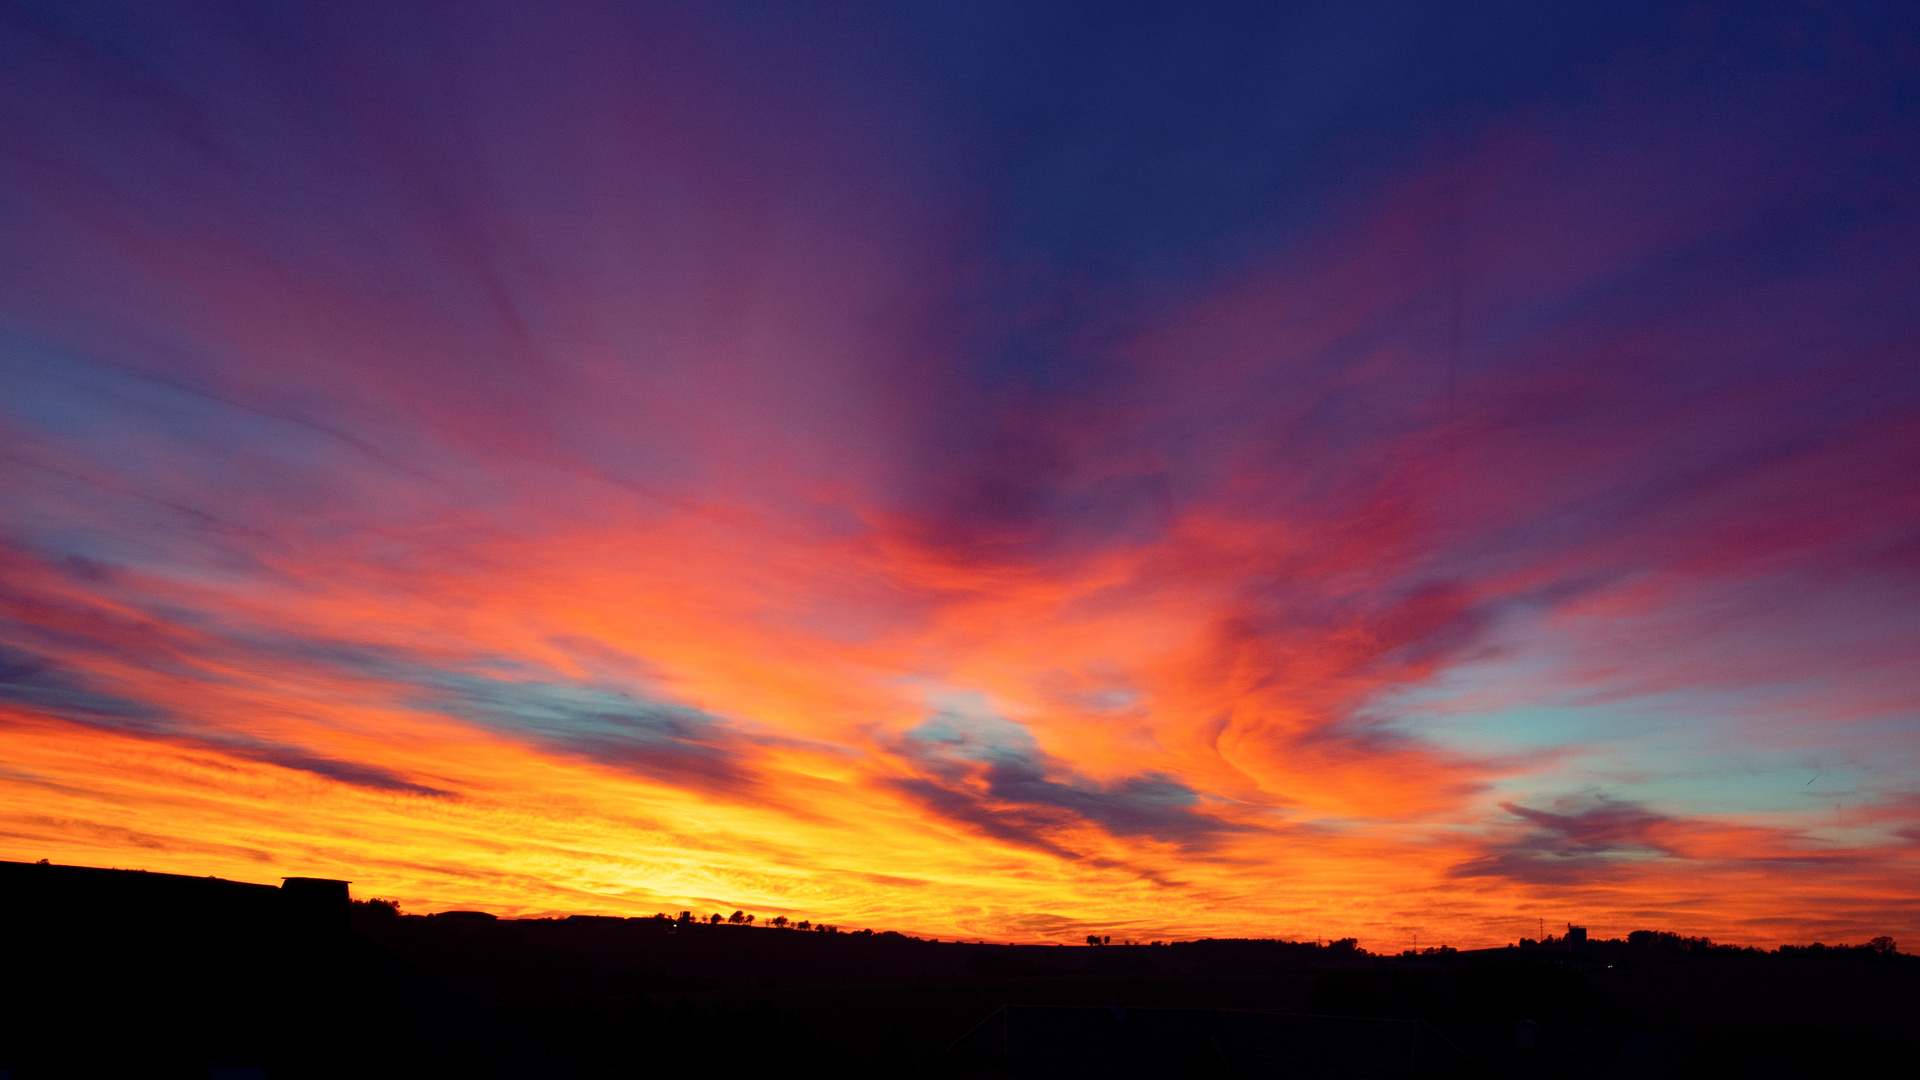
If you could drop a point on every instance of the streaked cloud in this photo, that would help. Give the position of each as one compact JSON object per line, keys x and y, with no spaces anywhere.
{"x":621,"y":458}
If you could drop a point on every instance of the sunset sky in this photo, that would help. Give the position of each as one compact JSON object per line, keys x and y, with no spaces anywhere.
{"x":1417,"y":472}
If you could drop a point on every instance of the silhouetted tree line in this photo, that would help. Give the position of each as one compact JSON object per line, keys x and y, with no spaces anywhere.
{"x":1661,"y":941}
{"x":718,"y":1001}
{"x":742,"y":918}
{"x":1882,"y":946}
{"x":1649,"y":940}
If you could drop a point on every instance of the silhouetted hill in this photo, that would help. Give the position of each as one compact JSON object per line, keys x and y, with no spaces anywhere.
{"x":115,"y":973}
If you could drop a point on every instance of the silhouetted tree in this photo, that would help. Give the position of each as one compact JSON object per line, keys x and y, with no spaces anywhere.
{"x":1883,"y":945}
{"x":803,"y":924}
{"x":717,"y":919}
{"x":1093,"y":939}
{"x":737,"y":917}
{"x":779,"y":921}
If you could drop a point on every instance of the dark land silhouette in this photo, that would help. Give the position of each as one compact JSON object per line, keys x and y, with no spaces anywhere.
{"x":113,"y":973}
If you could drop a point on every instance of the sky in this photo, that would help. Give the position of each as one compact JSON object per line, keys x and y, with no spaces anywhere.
{"x":1421,"y":472}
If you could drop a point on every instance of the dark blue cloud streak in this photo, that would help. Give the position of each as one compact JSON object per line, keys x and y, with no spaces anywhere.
{"x":989,"y":774}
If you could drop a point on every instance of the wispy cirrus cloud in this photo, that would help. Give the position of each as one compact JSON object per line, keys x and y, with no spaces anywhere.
{"x":1579,"y":840}
{"x":988,"y":773}
{"x":556,"y":459}
{"x":36,"y":685}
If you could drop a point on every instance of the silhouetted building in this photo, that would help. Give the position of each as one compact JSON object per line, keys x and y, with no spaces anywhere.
{"x":85,"y":895}
{"x":321,"y":901}
{"x":1027,"y":1042}
{"x":128,"y":973}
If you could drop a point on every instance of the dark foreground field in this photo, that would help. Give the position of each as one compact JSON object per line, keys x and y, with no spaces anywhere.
{"x":112,"y":973}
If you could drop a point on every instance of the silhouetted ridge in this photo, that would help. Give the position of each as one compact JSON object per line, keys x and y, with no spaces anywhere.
{"x":114,"y":973}
{"x":117,"y":973}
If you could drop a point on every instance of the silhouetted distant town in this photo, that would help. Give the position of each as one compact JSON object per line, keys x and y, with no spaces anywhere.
{"x":116,"y":973}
